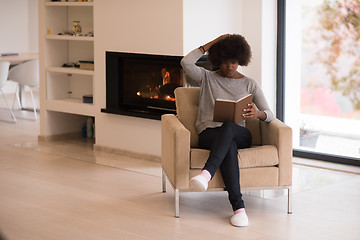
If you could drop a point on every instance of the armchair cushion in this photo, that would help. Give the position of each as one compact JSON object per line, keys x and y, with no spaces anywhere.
{"x":256,"y":156}
{"x":249,"y":177}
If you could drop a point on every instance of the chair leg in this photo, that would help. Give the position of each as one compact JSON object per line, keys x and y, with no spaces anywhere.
{"x":17,"y":98}
{"x":289,"y":200}
{"x":177,"y":203}
{"x":33,"y":101}
{"x":163,"y":181}
{"x":7,"y":104}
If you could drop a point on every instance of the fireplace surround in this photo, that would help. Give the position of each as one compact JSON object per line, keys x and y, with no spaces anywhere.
{"x":142,"y":85}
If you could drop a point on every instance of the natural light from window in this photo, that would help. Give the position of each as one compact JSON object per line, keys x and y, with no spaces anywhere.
{"x":323,"y":75}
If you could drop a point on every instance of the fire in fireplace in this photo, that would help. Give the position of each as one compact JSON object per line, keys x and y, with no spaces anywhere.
{"x":165,"y":90}
{"x":142,"y":85}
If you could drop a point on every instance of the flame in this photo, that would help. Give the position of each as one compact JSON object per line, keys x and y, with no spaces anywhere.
{"x":166,"y":76}
{"x":169,"y":98}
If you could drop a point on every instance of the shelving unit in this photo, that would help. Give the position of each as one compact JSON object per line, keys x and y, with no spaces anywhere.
{"x":62,"y":88}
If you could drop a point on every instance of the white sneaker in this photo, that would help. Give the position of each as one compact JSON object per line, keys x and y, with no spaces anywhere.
{"x":199,"y":183}
{"x":239,"y":220}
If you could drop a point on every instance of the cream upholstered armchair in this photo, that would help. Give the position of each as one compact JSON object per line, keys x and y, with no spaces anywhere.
{"x":266,"y":165}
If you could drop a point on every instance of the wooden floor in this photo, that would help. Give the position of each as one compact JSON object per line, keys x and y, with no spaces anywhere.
{"x":59,"y":191}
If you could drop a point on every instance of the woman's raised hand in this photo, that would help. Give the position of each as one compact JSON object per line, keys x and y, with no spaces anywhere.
{"x":221,"y":37}
{"x":206,"y":47}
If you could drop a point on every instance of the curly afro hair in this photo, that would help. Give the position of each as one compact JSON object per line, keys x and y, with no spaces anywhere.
{"x":234,"y":47}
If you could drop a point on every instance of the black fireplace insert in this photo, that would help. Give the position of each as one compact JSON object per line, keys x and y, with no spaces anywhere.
{"x":142,"y":85}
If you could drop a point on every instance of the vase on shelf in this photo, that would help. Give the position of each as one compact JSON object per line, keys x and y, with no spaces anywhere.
{"x":76,"y":27}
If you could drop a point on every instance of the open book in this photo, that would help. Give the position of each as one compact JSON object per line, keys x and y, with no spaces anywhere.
{"x":228,"y":110}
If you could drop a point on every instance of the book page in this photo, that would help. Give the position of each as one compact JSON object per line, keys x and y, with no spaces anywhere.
{"x":225,"y":100}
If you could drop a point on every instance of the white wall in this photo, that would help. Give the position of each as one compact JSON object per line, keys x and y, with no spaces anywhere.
{"x":205,"y":20}
{"x":139,"y":26}
{"x":268,"y":49}
{"x":19,"y":26}
{"x":18,"y":29}
{"x":174,"y":28}
{"x":259,"y":28}
{"x":160,"y":27}
{"x":255,"y":20}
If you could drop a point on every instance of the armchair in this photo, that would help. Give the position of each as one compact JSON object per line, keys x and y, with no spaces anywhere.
{"x":266,"y":165}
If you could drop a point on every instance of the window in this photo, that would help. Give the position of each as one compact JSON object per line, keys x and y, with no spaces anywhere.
{"x":321,"y":83}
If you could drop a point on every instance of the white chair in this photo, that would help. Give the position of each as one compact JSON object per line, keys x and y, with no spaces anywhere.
{"x":4,"y":70}
{"x":26,"y":74}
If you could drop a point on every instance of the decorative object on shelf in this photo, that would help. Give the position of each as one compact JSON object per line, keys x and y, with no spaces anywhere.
{"x":87,"y":65}
{"x":71,"y":64}
{"x":88,"y":98}
{"x":76,"y":27}
{"x":89,"y":34}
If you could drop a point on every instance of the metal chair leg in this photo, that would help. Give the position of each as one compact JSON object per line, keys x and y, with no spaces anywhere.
{"x":34,"y":106}
{"x":177,"y":194}
{"x":177,"y":203}
{"x":289,"y":200}
{"x":17,"y":98}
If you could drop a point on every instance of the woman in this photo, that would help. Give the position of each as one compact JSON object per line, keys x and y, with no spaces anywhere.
{"x":226,"y":53}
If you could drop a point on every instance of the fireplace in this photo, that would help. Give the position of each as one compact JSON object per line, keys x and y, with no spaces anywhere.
{"x":142,"y":85}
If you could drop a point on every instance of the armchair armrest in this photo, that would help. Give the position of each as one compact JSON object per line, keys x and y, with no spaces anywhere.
{"x":279,"y":134}
{"x":175,"y":151}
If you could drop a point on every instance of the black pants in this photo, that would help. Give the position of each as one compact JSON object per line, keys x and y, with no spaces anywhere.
{"x":223,"y":143}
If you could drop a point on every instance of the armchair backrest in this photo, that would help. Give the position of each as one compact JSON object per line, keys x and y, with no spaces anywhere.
{"x":187,"y":104}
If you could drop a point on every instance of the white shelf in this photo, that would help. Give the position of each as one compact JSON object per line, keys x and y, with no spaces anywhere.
{"x":70,"y":70}
{"x":71,"y":105}
{"x":69,"y":4}
{"x":60,"y":113}
{"x":67,"y":37}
